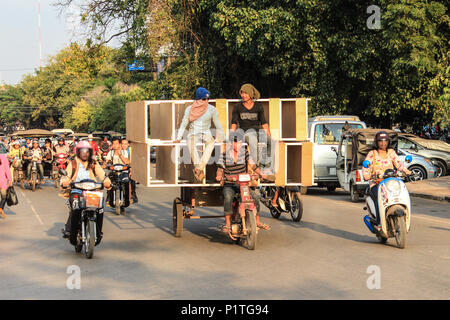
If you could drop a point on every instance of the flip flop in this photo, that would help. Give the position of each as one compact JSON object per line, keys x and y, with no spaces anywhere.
{"x":263,"y":226}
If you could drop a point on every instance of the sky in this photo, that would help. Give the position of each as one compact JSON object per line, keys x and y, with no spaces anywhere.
{"x":19,"y":36}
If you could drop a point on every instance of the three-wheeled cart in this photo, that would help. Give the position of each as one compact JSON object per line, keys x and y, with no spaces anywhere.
{"x":152,"y":127}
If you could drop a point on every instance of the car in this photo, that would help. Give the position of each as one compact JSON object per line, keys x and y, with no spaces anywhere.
{"x":424,"y":168}
{"x":436,"y":150}
{"x":326,"y":132}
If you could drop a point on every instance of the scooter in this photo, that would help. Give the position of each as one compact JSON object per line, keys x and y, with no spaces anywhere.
{"x":289,"y":201}
{"x":394,"y":207}
{"x":34,"y":173}
{"x":243,"y":218}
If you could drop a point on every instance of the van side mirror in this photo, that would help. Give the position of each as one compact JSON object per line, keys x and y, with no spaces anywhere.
{"x":366,"y":164}
{"x":408,"y":159}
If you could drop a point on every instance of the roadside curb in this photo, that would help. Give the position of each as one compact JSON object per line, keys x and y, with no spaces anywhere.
{"x":429,"y":196}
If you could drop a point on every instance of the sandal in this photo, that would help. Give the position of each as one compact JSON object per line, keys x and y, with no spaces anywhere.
{"x":263,"y":226}
{"x":226,"y":229}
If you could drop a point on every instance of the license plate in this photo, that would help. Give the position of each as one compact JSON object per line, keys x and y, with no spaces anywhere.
{"x":94,"y":199}
{"x":332,"y":171}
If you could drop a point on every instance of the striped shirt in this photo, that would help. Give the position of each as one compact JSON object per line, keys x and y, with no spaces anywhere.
{"x":230,"y":167}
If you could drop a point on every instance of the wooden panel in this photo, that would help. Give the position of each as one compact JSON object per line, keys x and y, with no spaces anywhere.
{"x":307,"y":164}
{"x":274,"y":118}
{"x":136,"y":124}
{"x":294,"y":162}
{"x":280,"y":164}
{"x":153,"y":109}
{"x":302,"y":119}
{"x":179,"y":110}
{"x":288,"y":118}
{"x":140,"y":162}
{"x":165,"y":122}
{"x":221,"y":106}
{"x":165,"y":167}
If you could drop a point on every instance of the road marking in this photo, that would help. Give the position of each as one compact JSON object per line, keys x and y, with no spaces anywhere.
{"x":32,"y":208}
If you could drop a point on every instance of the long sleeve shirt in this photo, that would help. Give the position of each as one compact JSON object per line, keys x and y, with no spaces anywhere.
{"x":202,"y":125}
{"x":379,"y":165}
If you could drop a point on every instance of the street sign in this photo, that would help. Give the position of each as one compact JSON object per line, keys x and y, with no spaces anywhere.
{"x":136,"y":65}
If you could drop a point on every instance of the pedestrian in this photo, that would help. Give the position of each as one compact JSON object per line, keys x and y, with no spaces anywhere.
{"x":5,"y":181}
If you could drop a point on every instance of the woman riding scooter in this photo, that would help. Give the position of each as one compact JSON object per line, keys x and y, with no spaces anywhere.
{"x":381,"y":158}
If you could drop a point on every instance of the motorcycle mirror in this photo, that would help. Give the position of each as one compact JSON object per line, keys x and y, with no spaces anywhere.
{"x":366,"y":163}
{"x":408,"y":159}
{"x":62,"y":172}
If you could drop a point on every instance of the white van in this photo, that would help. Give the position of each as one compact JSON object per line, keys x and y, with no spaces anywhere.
{"x":325,"y":132}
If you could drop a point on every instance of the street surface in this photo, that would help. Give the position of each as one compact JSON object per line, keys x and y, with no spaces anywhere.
{"x":325,"y":256}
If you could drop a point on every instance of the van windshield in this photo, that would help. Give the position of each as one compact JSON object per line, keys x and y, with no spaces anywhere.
{"x":330,"y":133}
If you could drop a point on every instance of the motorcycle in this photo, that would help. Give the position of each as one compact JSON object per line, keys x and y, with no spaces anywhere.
{"x":243,"y":218}
{"x":87,"y":197}
{"x":19,"y":176}
{"x":394,"y":207}
{"x":34,"y":172}
{"x":59,"y":163}
{"x":289,"y":200}
{"x":120,"y":191}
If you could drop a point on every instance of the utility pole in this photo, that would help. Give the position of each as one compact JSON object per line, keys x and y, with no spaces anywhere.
{"x":40,"y":34}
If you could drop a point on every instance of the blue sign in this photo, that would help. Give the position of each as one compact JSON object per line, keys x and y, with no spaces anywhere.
{"x":136,"y":65}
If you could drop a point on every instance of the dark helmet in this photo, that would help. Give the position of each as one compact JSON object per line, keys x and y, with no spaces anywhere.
{"x":61,"y":139}
{"x":382,"y":135}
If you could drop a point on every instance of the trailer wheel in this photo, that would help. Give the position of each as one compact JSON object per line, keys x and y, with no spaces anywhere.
{"x":177,"y":217}
{"x":354,"y":194}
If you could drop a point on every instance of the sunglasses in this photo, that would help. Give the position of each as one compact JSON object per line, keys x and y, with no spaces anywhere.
{"x":84,"y":150}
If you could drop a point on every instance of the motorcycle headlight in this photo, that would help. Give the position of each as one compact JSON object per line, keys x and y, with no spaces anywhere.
{"x":85,"y":185}
{"x":393,"y":186}
{"x":118,"y":168}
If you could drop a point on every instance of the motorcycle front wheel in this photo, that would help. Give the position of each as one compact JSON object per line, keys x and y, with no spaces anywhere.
{"x":250,"y":223}
{"x":90,"y":239}
{"x":33,"y":181}
{"x":399,"y":231}
{"x":117,"y":200}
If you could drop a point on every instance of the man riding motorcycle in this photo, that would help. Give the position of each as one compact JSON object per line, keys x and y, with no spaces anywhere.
{"x":381,"y":158}
{"x":81,"y":168}
{"x":61,"y":146}
{"x":35,"y":152}
{"x":236,"y":160}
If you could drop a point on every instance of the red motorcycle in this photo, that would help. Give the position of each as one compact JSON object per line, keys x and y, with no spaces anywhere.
{"x":59,"y":163}
{"x":243,"y":218}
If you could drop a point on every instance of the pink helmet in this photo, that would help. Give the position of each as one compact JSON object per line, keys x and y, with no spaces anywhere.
{"x":83,"y":145}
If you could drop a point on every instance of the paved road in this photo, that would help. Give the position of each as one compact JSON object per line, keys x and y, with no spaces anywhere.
{"x":325,"y":256}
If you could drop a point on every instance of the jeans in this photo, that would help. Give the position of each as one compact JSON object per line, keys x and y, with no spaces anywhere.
{"x":192,"y":141}
{"x":263,"y":156}
{"x":3,"y":200}
{"x":228,"y":195}
{"x":40,"y":169}
{"x":373,"y":192}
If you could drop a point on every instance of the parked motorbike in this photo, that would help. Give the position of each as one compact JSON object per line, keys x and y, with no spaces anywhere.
{"x":120,"y":191}
{"x":19,"y":176}
{"x":394,"y":207}
{"x":243,"y":218}
{"x":86,"y":199}
{"x":289,"y":201}
{"x":59,"y":163}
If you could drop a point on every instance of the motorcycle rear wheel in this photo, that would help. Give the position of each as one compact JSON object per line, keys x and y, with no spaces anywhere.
{"x":296,"y":208}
